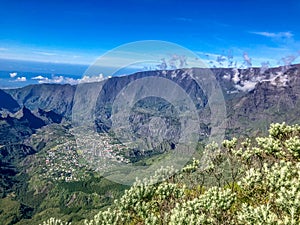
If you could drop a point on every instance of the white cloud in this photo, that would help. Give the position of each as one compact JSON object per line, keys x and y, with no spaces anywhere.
{"x":38,"y":78}
{"x":275,"y":35}
{"x":44,"y":81}
{"x":68,"y":80}
{"x":288,"y":60}
{"x":71,"y":81}
{"x":246,"y":86}
{"x":88,"y":79}
{"x":58,"y":80}
{"x":12,"y":75}
{"x":278,"y":79}
{"x":236,"y":75}
{"x":21,"y":79}
{"x":247,"y":59}
{"x":54,"y":79}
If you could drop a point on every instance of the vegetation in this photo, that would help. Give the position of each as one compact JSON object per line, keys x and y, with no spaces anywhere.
{"x":241,"y":182}
{"x":52,"y":182}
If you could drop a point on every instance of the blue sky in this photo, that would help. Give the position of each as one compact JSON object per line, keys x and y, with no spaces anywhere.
{"x":80,"y":31}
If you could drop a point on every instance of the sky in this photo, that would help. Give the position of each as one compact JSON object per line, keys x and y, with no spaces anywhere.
{"x":78,"y":32}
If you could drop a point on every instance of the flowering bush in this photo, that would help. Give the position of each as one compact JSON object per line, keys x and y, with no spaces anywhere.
{"x":248,"y":182}
{"x":54,"y":221}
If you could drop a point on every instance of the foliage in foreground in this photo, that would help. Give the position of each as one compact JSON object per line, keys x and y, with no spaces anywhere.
{"x":249,"y":182}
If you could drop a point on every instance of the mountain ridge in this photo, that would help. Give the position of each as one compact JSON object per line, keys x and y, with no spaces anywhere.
{"x":247,"y":92}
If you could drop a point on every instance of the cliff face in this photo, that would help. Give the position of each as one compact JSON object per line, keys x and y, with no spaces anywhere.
{"x":274,"y":98}
{"x":254,"y":98}
{"x":48,"y":97}
{"x":8,"y":103}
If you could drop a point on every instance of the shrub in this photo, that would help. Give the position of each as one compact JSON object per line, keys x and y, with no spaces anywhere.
{"x":241,"y":182}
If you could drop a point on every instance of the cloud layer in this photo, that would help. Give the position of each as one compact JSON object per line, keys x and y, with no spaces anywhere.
{"x":68,"y":80}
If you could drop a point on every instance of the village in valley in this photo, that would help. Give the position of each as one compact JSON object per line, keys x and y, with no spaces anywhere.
{"x":73,"y":160}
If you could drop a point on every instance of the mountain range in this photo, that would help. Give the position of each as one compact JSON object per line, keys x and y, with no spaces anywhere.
{"x":253,"y":97}
{"x":35,"y":117}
